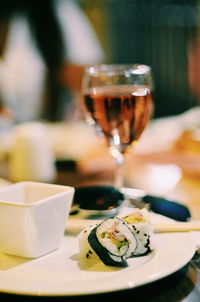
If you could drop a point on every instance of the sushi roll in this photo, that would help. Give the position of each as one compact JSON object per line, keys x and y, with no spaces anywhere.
{"x":112,"y":241}
{"x":87,"y":256}
{"x":140,"y":225}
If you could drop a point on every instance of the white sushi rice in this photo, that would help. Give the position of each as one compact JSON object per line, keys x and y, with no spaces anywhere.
{"x":116,"y":237}
{"x":143,"y":232}
{"x":87,"y":256}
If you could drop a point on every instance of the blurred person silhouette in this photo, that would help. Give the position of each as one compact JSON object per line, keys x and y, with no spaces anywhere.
{"x":44,"y":47}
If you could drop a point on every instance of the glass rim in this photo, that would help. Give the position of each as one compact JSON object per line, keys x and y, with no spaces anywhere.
{"x":121,"y":68}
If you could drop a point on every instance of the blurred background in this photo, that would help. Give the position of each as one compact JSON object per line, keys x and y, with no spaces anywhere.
{"x":157,"y":33}
{"x":44,"y":47}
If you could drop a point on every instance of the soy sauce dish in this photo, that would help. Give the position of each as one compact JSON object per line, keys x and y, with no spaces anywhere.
{"x":97,"y":200}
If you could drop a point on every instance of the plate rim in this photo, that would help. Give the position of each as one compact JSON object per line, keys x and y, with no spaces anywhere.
{"x":115,"y":288}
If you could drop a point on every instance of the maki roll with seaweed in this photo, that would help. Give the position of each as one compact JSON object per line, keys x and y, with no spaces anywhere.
{"x":112,"y":241}
{"x":87,"y":256}
{"x":140,"y":225}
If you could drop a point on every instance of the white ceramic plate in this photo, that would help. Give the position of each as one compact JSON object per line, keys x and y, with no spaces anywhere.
{"x":58,"y":273}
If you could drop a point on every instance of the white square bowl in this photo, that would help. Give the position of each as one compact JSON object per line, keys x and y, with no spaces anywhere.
{"x":33,"y":217}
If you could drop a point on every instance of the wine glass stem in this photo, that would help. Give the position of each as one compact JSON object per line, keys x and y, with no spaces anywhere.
{"x":119,"y":175}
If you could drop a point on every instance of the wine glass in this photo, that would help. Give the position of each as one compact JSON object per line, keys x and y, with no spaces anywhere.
{"x":118,"y":103}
